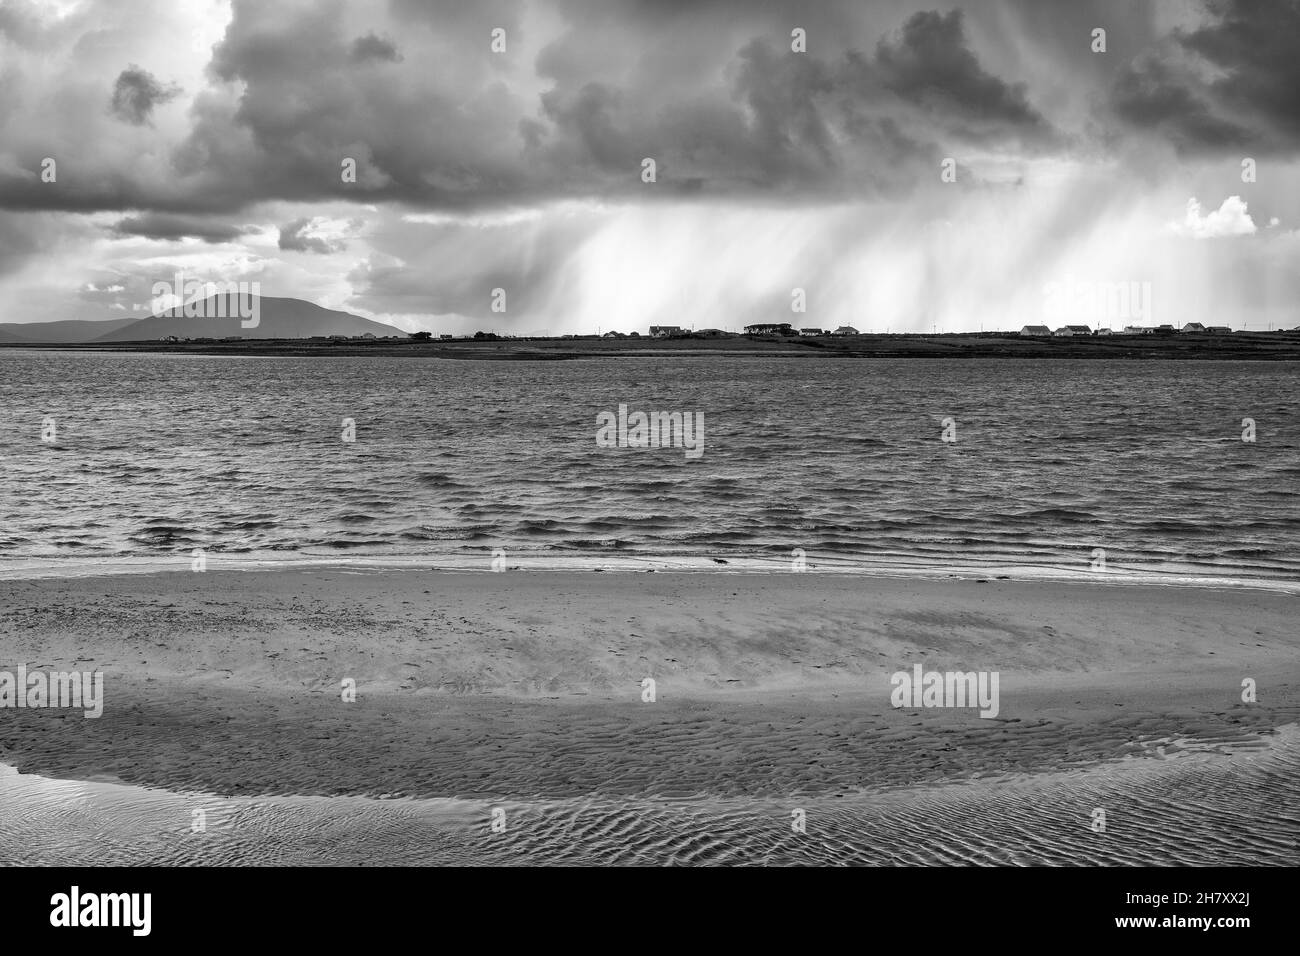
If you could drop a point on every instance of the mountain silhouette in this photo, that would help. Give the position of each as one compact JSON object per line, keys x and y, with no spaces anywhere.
{"x":63,"y":331}
{"x":219,"y":318}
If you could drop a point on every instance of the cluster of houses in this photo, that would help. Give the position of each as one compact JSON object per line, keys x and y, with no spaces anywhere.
{"x":785,"y":328}
{"x":759,"y":328}
{"x":1065,"y":331}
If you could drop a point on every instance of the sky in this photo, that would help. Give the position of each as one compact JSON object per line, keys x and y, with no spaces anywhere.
{"x":909,"y":166}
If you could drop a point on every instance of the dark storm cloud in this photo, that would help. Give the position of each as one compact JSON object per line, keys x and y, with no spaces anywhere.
{"x":710,"y":90}
{"x":429,"y":133}
{"x":932,"y":67}
{"x":137,"y":92}
{"x":1150,"y":97}
{"x":586,"y":118}
{"x":790,"y":135}
{"x":167,"y":226}
{"x":789,"y":122}
{"x":93,"y":190}
{"x":1253,"y":100}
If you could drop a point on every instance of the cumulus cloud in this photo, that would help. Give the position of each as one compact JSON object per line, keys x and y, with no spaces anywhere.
{"x":314,"y":234}
{"x":1230,"y":219}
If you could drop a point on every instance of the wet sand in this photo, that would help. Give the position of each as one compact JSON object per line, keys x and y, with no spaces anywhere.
{"x":525,"y":689}
{"x":1200,"y":809}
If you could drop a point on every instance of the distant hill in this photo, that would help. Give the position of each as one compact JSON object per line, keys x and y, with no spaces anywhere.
{"x":64,"y":331}
{"x":279,"y":319}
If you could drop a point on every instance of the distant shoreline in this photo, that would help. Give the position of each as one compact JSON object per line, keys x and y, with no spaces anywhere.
{"x":1258,"y":346}
{"x":546,"y":563}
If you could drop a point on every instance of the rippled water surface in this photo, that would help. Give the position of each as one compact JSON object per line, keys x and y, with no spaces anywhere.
{"x":160,"y":454}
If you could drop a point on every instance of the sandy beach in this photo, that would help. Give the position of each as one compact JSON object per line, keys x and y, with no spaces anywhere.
{"x":529,"y":685}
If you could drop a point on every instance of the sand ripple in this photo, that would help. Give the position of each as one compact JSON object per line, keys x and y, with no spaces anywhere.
{"x":1187,"y":801}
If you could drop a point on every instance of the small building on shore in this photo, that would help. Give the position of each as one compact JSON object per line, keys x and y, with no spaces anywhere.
{"x":1037,"y":330}
{"x":665,"y":331}
{"x":846,"y":330}
{"x":812,"y":332}
{"x":1193,"y":327}
{"x":1066,"y":331}
{"x":770,"y":328}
